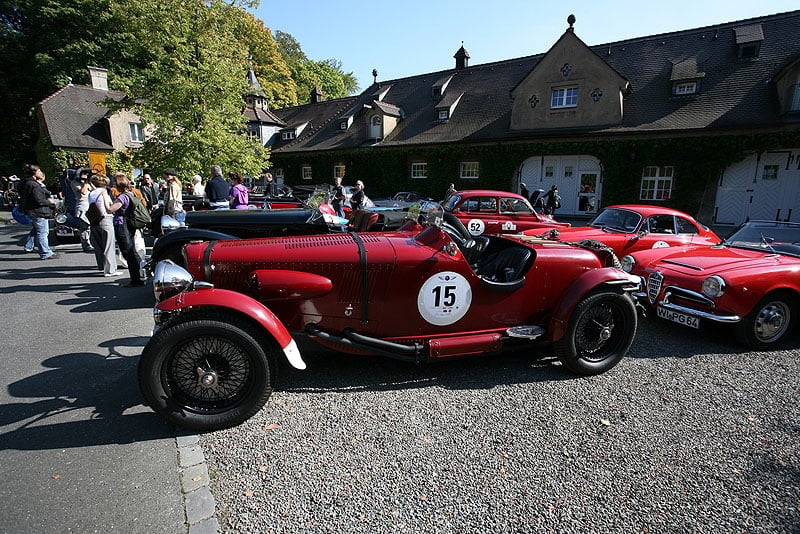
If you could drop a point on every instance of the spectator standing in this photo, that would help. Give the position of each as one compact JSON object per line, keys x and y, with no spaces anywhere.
{"x":451,"y":190}
{"x":149,"y":192}
{"x":239,"y":196}
{"x":173,"y":196}
{"x":81,"y":186}
{"x":101,"y":235}
{"x":552,"y":200}
{"x":37,"y":204}
{"x":523,"y":190}
{"x":358,"y":198}
{"x":217,"y":189}
{"x":338,"y":197}
{"x":121,"y":208}
{"x":198,"y":189}
{"x":270,"y":187}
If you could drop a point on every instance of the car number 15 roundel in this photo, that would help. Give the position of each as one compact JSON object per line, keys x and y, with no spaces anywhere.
{"x":444,"y":298}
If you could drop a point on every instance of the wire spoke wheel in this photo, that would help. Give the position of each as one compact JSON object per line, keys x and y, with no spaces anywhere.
{"x":209,"y":373}
{"x":208,"y":370}
{"x":600,"y":332}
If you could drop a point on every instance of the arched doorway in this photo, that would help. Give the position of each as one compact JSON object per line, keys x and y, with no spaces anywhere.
{"x":578,"y":179}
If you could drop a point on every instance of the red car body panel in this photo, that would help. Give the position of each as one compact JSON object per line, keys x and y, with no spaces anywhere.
{"x":486,"y":211}
{"x":400,"y":269}
{"x":635,"y":239}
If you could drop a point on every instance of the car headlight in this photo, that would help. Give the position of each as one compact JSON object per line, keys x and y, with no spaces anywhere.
{"x":170,"y":279}
{"x":627,"y":262}
{"x":713,"y":286}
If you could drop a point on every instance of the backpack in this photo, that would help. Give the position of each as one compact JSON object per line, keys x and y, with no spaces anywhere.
{"x":137,"y":216}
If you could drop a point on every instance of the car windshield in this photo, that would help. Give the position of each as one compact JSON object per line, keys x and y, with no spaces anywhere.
{"x":426,"y":213}
{"x":771,"y":236}
{"x":617,"y":219}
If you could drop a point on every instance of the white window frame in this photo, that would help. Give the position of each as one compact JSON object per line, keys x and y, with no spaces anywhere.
{"x":136,"y":132}
{"x":277,"y":174}
{"x":770,"y":172}
{"x":443,"y":114}
{"x":307,"y":172}
{"x":339,"y":171}
{"x":287,"y":136}
{"x":685,"y":88}
{"x":656,"y":183}
{"x":470,"y":170}
{"x":419,"y":170}
{"x":564,"y":97}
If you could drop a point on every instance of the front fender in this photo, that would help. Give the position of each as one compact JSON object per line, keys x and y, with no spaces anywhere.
{"x":178,"y":238}
{"x":231,"y":300}
{"x":578,"y":289}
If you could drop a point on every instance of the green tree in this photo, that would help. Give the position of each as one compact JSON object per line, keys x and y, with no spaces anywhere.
{"x":190,"y":96}
{"x":271,"y":69}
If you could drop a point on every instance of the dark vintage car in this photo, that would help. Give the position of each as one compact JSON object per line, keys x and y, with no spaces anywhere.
{"x":630,"y":228}
{"x":497,"y":212}
{"x":403,"y":199}
{"x":751,"y":280}
{"x":227,"y":224}
{"x":224,"y":323}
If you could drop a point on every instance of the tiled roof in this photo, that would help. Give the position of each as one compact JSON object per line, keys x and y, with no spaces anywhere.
{"x":74,"y":120}
{"x":734,"y":93}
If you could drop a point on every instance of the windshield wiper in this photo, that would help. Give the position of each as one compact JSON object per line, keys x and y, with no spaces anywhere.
{"x":766,"y":242}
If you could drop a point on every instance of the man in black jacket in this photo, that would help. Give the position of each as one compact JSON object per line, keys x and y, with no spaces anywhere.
{"x":217,"y":189}
{"x":37,"y":204}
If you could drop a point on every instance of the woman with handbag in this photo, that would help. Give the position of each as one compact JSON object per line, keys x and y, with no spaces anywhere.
{"x":101,"y":229}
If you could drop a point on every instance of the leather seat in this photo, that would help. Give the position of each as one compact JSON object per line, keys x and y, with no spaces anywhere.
{"x":507,"y":266}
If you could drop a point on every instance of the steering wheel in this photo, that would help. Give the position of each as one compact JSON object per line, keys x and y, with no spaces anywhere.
{"x":456,"y":226}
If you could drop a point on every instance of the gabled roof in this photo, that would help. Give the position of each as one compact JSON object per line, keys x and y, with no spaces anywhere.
{"x":264,"y":116}
{"x":74,"y":120}
{"x":735,"y":93}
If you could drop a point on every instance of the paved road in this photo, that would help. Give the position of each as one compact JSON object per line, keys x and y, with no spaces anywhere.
{"x":78,"y":450}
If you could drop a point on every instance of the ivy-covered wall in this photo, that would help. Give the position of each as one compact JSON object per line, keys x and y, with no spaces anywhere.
{"x":698,"y":164}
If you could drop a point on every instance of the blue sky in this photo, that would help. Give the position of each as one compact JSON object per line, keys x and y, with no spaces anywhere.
{"x":411,"y":37}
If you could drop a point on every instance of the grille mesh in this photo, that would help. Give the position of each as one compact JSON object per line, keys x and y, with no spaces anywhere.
{"x":654,"y":282}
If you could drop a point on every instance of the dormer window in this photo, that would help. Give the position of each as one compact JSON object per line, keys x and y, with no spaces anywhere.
{"x":287,"y":136}
{"x":443,"y":114}
{"x":565,"y":97}
{"x":685,"y":88}
{"x":343,"y":125}
{"x":137,"y":132}
{"x":748,"y":41}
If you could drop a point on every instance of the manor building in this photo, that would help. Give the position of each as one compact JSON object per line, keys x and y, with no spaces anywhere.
{"x":704,"y":120}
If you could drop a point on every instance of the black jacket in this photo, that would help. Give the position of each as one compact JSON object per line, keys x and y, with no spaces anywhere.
{"x":217,"y":189}
{"x":35,"y":199}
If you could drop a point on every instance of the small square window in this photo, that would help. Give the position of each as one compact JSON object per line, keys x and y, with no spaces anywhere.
{"x":749,"y":50}
{"x":566,"y":97}
{"x":770,"y":172}
{"x":443,"y":114}
{"x":685,"y":88}
{"x":549,"y":171}
{"x":343,"y":125}
{"x":137,"y":132}
{"x":338,"y":171}
{"x":568,"y":171}
{"x":286,"y":136}
{"x":419,"y":171}
{"x":470,"y":170}
{"x":656,"y":183}
{"x":307,"y":174}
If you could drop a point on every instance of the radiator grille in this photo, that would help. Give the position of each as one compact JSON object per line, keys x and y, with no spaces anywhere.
{"x":654,"y":282}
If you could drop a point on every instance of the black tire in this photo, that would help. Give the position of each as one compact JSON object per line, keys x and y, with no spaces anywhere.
{"x":768,"y":322}
{"x":599,"y":334}
{"x":234,"y":359}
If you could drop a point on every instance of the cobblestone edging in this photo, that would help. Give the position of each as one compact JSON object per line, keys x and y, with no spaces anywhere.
{"x":198,"y":502}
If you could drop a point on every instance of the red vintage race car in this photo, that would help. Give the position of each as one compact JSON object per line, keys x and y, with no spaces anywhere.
{"x":630,"y":228}
{"x":497,"y":212}
{"x":428,"y":292}
{"x":750,"y":280}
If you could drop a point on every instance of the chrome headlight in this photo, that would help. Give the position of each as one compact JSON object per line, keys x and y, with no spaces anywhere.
{"x":627,"y":262}
{"x":713,"y":286}
{"x":170,"y":279}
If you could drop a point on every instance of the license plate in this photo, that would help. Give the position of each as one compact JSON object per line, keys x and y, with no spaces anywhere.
{"x":678,"y":317}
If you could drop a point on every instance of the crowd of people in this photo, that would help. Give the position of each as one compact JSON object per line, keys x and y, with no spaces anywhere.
{"x":104,"y":207}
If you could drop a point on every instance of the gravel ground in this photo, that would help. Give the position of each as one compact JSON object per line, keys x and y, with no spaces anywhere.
{"x":687,"y":434}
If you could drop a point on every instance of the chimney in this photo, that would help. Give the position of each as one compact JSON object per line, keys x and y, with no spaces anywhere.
{"x":316,"y":95}
{"x":99,"y":78}
{"x":462,"y":57}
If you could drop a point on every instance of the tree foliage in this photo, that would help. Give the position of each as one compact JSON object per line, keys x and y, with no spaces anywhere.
{"x":182,"y":61}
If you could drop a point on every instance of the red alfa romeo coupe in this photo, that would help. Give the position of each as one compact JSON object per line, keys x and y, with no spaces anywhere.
{"x":427,"y":292}
{"x":629,"y":228}
{"x":750,"y":280}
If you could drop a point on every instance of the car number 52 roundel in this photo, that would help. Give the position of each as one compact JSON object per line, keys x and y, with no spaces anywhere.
{"x":444,"y":298}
